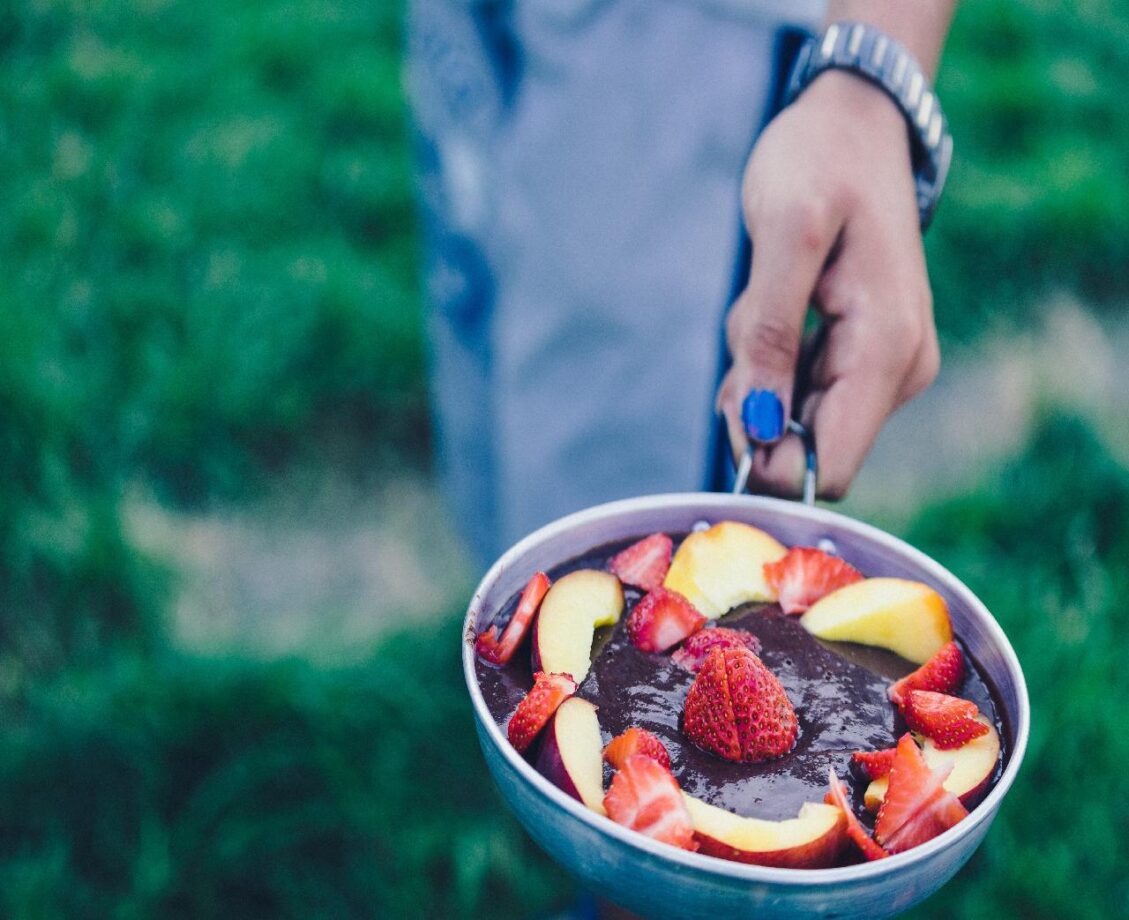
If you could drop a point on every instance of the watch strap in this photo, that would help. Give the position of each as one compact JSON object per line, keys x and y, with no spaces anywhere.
{"x":872,"y":54}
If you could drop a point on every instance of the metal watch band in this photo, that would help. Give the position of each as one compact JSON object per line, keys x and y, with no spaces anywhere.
{"x":872,"y":54}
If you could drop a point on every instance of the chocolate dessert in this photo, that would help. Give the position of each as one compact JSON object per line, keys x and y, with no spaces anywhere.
{"x":839,"y":691}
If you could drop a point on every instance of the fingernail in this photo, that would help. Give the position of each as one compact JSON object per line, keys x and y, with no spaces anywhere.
{"x":762,"y":413}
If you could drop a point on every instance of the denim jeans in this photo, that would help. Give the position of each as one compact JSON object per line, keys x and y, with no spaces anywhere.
{"x":579,"y":168}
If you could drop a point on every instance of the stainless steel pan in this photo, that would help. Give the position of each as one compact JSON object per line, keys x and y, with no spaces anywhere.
{"x":656,"y":880}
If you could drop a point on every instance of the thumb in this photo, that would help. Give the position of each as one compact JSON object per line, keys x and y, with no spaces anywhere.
{"x":764,"y":330}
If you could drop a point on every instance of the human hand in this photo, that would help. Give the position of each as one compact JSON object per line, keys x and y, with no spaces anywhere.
{"x":829,"y":206}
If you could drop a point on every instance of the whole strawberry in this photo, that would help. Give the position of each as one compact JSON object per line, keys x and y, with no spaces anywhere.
{"x":737,"y":709}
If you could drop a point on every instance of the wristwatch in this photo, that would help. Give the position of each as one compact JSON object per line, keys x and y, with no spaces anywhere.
{"x":872,"y":54}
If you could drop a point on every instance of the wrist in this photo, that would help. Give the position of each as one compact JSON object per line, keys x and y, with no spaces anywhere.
{"x":855,"y":100}
{"x":868,"y":55}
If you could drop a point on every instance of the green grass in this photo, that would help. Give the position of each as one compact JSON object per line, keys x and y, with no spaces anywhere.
{"x":185,"y":787}
{"x":210,"y":246}
{"x":209,"y":253}
{"x":208,"y":229}
{"x":1038,"y":197}
{"x":209,"y":250}
{"x":1046,"y":546}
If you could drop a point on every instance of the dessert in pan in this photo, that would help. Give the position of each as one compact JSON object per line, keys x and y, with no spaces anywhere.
{"x":724,"y":693}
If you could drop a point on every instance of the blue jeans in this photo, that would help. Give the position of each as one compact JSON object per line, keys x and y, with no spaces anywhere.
{"x":579,"y":173}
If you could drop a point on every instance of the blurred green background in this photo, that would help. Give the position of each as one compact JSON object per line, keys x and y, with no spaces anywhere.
{"x":212,"y":364}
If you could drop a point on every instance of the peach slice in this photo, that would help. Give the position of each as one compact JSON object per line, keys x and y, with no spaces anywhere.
{"x":576,"y":604}
{"x":972,"y":767}
{"x":719,"y":568}
{"x":812,"y":840}
{"x":907,"y":617}
{"x":571,"y":754}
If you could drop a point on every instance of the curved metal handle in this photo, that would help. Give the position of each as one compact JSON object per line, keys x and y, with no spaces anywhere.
{"x":811,"y":462}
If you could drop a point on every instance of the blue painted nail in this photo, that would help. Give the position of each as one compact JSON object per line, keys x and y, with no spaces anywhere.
{"x":763,"y":415}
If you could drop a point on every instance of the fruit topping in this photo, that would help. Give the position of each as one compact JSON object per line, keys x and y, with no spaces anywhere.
{"x":645,"y":797}
{"x":537,"y":707}
{"x":948,"y":720}
{"x":661,"y":620}
{"x":917,"y":807}
{"x":941,"y":673}
{"x":575,"y":606}
{"x":859,"y":835}
{"x":811,"y":840}
{"x":692,"y":653}
{"x":635,"y":741}
{"x":805,"y":575}
{"x":972,"y":764}
{"x":721,"y":567}
{"x":735,"y":708}
{"x":738,"y":710}
{"x":906,"y":617}
{"x":497,"y":647}
{"x":875,"y":764}
{"x":643,"y":564}
{"x":569,"y":754}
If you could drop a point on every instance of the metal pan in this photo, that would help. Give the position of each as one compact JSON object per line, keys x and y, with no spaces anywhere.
{"x":656,"y":880}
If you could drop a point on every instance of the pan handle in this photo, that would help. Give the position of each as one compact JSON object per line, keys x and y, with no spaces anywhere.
{"x":811,"y":461}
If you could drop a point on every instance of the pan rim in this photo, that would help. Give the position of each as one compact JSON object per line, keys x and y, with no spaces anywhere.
{"x":714,"y":502}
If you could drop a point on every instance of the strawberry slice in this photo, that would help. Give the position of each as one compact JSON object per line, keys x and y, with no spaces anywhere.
{"x":692,"y":653}
{"x":917,"y":807}
{"x":875,"y":764}
{"x":949,"y":720}
{"x":497,"y":651}
{"x":737,"y":709}
{"x":535,"y":710}
{"x":859,"y":835}
{"x":643,"y":564}
{"x":806,"y":574}
{"x":635,"y":741}
{"x":662,"y":619}
{"x":942,"y":673}
{"x":645,"y":797}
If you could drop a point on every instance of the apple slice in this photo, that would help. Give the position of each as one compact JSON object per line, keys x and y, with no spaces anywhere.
{"x":719,"y":568}
{"x":571,"y":754}
{"x":973,"y":765}
{"x":576,"y":604}
{"x":812,"y":840}
{"x":907,"y":617}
